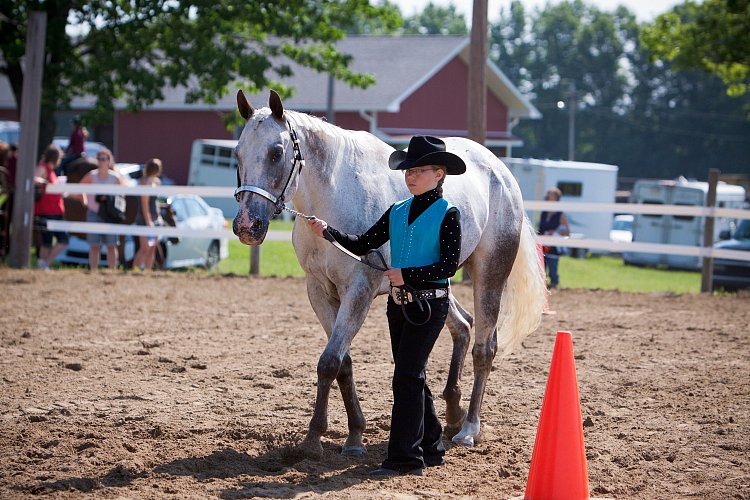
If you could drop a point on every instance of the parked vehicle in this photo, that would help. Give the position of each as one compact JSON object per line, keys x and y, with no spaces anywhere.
{"x":189,"y":211}
{"x":10,"y":131}
{"x":677,"y":229}
{"x":622,"y":229}
{"x":192,"y":212}
{"x":733,"y":274}
{"x":578,"y":181}
{"x":212,"y":163}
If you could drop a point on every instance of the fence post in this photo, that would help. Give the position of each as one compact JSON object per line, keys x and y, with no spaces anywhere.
{"x":23,"y":204}
{"x":254,"y":260}
{"x":707,"y":269}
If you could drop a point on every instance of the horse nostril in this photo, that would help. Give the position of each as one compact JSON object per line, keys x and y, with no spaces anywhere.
{"x":255,"y":225}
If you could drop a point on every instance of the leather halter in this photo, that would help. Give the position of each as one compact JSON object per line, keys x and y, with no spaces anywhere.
{"x":278,"y":202}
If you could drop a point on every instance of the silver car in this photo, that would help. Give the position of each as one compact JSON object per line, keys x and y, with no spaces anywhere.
{"x":187,"y":211}
{"x":192,"y":212}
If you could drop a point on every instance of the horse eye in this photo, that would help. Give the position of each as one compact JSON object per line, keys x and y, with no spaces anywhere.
{"x":276,"y":154}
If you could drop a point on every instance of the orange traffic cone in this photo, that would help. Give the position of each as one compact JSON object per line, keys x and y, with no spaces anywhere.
{"x":558,"y":463}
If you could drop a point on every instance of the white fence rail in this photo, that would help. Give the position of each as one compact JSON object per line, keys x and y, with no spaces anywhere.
{"x":533,"y":205}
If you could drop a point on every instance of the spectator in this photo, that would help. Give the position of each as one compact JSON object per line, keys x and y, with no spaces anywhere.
{"x":148,"y":215}
{"x":103,"y":174}
{"x":76,"y":145}
{"x":8,"y":160}
{"x":553,"y":224}
{"x":49,"y":206}
{"x":77,"y":141}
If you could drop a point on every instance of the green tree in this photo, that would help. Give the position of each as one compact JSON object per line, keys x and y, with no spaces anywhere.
{"x":436,"y":20}
{"x":641,"y":115}
{"x":713,"y":36}
{"x":118,"y":50}
{"x":387,"y":23}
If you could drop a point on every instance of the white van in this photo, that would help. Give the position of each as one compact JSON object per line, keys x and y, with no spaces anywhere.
{"x":678,"y":229}
{"x":578,"y":181}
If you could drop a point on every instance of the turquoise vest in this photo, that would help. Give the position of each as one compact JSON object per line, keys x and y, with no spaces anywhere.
{"x":418,"y":244}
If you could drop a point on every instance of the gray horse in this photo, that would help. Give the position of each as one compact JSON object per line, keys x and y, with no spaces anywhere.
{"x":342,"y":176}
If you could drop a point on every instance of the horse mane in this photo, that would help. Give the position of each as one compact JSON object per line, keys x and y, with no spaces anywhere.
{"x":316,"y":124}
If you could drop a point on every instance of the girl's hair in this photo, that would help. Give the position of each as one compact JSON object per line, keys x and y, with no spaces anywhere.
{"x":152,"y":167}
{"x":442,"y":180}
{"x":51,"y":154}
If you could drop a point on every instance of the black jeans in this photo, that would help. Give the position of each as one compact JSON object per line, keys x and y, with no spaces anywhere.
{"x":416,"y":432}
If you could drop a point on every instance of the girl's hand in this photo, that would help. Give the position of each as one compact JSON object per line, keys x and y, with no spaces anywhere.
{"x":395,"y":277}
{"x":317,"y":226}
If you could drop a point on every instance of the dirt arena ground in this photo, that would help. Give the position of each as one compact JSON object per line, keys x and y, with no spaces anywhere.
{"x":194,"y":386}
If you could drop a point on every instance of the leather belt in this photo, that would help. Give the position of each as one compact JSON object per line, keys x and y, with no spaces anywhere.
{"x":401,"y":296}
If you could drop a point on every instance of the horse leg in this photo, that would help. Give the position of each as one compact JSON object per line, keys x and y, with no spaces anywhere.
{"x":340,"y":324}
{"x":354,"y":445}
{"x":459,"y":323}
{"x":489,"y":283}
{"x":483,"y":353}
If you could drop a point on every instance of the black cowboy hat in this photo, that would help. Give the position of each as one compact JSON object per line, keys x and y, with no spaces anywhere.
{"x":426,"y":150}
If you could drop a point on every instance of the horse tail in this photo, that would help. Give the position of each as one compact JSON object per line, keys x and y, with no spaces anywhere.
{"x":525,"y":295}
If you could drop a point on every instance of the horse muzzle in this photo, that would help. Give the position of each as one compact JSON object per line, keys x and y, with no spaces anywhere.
{"x":250,"y":230}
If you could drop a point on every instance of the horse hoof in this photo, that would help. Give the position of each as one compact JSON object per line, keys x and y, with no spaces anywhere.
{"x":311,"y":449}
{"x":467,"y":441}
{"x":353,"y":451}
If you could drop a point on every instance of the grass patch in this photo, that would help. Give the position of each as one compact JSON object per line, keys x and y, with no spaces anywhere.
{"x":277,"y":258}
{"x":611,"y":273}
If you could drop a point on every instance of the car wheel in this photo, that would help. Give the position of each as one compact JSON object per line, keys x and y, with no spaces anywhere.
{"x":213,"y":256}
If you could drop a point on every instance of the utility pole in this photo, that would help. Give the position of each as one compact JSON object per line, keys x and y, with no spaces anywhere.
{"x":477,"y":128}
{"x":330,"y":108}
{"x":572,"y":121}
{"x":23,"y":206}
{"x":707,"y":283}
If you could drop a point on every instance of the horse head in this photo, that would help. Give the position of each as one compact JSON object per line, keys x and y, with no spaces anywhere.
{"x":266,"y":164}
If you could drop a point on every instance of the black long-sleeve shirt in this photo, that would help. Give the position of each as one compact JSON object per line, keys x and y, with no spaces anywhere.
{"x":379,"y":234}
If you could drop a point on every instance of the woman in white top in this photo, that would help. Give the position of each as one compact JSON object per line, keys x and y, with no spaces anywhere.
{"x":105,"y":173}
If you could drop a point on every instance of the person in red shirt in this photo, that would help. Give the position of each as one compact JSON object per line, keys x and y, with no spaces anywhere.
{"x":77,"y":141}
{"x":49,"y":206}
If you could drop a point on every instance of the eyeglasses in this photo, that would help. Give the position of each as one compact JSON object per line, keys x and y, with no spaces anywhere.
{"x":417,"y":171}
{"x":102,"y":158}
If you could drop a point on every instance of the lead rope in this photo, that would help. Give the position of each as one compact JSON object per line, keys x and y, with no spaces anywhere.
{"x":384,"y":267}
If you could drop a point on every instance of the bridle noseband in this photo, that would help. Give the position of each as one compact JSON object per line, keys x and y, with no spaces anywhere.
{"x":278,"y":202}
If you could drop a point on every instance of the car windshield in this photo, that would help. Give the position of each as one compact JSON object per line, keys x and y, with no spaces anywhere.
{"x":743,"y":231}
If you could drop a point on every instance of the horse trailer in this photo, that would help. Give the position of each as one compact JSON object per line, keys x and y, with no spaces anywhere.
{"x":212,"y":163}
{"x":578,"y":182}
{"x":678,"y":229}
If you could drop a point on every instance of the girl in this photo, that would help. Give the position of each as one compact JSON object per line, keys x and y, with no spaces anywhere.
{"x":148,"y":215}
{"x":425,"y":239}
{"x":105,"y":173}
{"x":49,"y":207}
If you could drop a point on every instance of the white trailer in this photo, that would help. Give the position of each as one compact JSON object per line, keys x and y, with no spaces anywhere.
{"x":578,"y":182}
{"x":677,"y":229}
{"x":212,"y":163}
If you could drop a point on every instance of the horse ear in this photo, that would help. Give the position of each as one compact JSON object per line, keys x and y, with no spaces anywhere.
{"x":277,"y":108}
{"x":246,"y":110}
